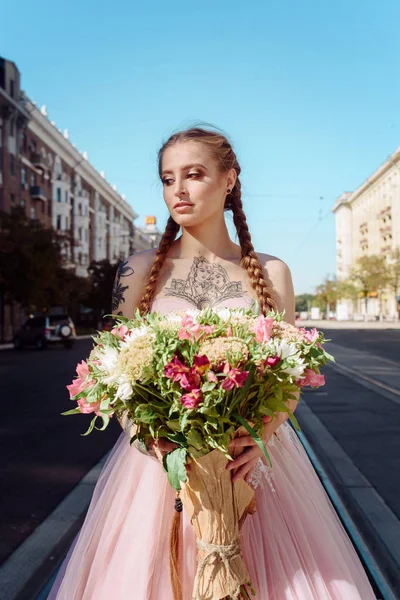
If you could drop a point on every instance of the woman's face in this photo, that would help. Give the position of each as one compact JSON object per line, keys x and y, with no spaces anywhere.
{"x":194,"y":189}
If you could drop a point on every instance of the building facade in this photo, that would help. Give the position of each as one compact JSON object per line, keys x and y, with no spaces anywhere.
{"x":367,"y":223}
{"x":43,"y":172}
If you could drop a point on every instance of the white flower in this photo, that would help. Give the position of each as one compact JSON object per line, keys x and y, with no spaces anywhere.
{"x":296,"y":370}
{"x":133,"y":334}
{"x":223,"y":313}
{"x":173,"y":318}
{"x":124,"y":390}
{"x":108,"y":358}
{"x":285,"y":349}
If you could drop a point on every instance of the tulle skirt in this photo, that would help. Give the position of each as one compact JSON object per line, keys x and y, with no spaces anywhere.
{"x":294,"y":546}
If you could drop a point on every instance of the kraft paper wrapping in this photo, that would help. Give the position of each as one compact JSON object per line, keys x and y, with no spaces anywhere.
{"x":217,"y":508}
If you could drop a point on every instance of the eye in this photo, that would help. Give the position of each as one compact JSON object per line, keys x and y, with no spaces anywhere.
{"x":194,"y":174}
{"x":167,"y":180}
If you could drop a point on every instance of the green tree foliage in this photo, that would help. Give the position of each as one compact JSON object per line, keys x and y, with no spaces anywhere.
{"x":31,"y":265}
{"x":394,"y":274}
{"x":370,"y":275}
{"x":326,"y":295}
{"x":303,"y":301}
{"x":100,"y":285}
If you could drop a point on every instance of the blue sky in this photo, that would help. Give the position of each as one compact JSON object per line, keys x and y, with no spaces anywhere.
{"x":309,"y":93}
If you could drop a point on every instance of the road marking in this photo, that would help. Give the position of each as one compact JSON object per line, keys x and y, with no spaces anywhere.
{"x":365,"y":380}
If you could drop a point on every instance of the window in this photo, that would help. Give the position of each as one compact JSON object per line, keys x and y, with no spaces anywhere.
{"x":66,"y":223}
{"x":12,"y":164}
{"x":12,"y":199}
{"x":32,"y":179}
{"x":12,"y":128}
{"x":58,"y":194}
{"x":23,"y":176}
{"x":33,"y":212}
{"x":58,"y":222}
{"x":12,"y":88}
{"x":66,"y":196}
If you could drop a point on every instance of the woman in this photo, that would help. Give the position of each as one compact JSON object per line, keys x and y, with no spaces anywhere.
{"x":294,"y":546}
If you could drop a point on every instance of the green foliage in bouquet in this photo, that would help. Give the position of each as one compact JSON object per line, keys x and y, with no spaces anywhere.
{"x":195,"y":377}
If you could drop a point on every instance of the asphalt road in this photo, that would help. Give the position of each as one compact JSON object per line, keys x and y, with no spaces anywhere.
{"x":43,"y":456}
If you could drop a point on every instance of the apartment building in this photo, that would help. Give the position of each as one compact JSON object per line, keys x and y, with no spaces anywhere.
{"x":43,"y":172}
{"x":368,"y":222}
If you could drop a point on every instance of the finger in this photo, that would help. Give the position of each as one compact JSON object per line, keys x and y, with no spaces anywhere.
{"x":239,"y":442}
{"x":244,"y":458}
{"x":243,"y":471}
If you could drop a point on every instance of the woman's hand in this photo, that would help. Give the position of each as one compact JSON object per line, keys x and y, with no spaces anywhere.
{"x":243,"y":465}
{"x":159,"y":448}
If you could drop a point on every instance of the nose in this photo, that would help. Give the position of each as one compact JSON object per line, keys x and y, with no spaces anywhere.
{"x":180,"y":189}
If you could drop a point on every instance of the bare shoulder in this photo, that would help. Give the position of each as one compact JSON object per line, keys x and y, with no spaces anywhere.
{"x":129,"y":282}
{"x":278,"y":275}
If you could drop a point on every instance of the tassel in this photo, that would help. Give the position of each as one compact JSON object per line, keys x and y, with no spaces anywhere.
{"x":174,"y":549}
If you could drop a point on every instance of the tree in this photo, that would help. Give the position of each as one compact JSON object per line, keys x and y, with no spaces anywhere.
{"x":30,"y":261}
{"x":326,"y":295}
{"x":394,"y":277}
{"x":370,"y":274}
{"x":303,"y":301}
{"x":101,"y":280}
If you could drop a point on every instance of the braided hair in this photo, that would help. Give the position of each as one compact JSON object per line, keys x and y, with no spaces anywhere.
{"x":226,"y":158}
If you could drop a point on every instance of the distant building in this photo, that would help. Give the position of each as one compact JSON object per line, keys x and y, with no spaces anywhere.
{"x":148,"y":236}
{"x":42,"y":171}
{"x":368,"y":222}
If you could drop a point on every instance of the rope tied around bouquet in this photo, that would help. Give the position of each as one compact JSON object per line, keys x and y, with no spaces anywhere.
{"x":222,"y":553}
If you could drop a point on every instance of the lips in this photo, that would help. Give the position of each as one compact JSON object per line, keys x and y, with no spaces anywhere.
{"x":183,"y":204}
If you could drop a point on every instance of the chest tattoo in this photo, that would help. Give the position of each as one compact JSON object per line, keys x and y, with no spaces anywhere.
{"x":207,"y":284}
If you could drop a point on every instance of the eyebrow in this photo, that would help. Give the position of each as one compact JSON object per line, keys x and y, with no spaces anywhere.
{"x":186,"y":167}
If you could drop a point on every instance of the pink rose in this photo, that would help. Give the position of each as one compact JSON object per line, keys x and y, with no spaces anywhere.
{"x":263,"y":329}
{"x":234,"y":378}
{"x":80,"y":383}
{"x":211,"y":377}
{"x":271,"y":361}
{"x":120,"y":331}
{"x":190,"y":380}
{"x":310,"y":335}
{"x":88,"y":407}
{"x":192,"y":400}
{"x":201,"y":363}
{"x":189,"y":328}
{"x":175,"y":369}
{"x":312,"y":379}
{"x":229,"y":331}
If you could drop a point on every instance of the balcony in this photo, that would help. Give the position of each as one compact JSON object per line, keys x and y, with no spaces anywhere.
{"x":37,"y":193}
{"x":38,"y":161}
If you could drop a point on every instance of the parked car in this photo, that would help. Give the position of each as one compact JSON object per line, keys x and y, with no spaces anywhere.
{"x":44,"y":330}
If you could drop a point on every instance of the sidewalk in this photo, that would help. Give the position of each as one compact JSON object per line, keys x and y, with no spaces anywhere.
{"x":10,"y":346}
{"x":327,"y":324}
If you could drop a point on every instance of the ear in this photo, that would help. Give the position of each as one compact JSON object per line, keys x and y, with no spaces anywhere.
{"x":231,"y":179}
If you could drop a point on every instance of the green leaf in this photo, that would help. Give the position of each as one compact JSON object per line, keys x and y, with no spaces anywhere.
{"x":174,"y":463}
{"x":254,"y":435}
{"x":91,"y":426}
{"x":106,"y":420}
{"x":73,"y":411}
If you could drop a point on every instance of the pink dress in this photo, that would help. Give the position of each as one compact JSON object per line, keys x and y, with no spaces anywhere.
{"x":294,"y":546}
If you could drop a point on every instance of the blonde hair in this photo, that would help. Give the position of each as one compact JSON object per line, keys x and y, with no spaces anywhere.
{"x":226,"y":159}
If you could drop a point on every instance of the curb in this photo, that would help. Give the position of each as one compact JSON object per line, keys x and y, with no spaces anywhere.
{"x":23,"y":574}
{"x":11,"y":346}
{"x":351,"y":493}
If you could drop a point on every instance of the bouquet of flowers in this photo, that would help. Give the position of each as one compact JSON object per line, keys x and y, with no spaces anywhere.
{"x":198,"y":378}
